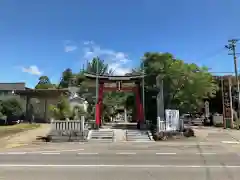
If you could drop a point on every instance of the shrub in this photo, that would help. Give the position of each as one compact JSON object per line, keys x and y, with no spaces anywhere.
{"x":161,"y":136}
{"x":188,"y":132}
{"x":61,"y":110}
{"x":11,"y":107}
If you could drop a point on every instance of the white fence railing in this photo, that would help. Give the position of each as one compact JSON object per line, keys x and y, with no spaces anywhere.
{"x":68,"y":127}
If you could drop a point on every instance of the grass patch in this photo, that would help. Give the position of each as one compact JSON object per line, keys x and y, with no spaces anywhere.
{"x":10,"y":130}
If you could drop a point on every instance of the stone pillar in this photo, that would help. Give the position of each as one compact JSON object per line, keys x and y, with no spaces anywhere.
{"x":125,"y":115}
{"x":45,"y":110}
{"x":27,"y":114}
{"x":160,"y":98}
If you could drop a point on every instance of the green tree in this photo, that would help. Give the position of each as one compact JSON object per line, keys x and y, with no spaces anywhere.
{"x":11,"y":107}
{"x":66,"y":78}
{"x":185,"y":85}
{"x":103,"y":68}
{"x":61,"y":110}
{"x":44,"y":83}
{"x":1,"y":114}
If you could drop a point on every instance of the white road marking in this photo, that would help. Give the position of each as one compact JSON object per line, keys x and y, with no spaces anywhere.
{"x":113,"y":166}
{"x":231,"y":142}
{"x":166,"y":153}
{"x":16,"y":153}
{"x":67,"y":150}
{"x":207,"y":153}
{"x":87,"y":153}
{"x":126,"y":153}
{"x":50,"y":153}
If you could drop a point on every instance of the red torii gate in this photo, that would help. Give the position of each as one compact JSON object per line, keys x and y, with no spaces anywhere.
{"x":118,"y":80}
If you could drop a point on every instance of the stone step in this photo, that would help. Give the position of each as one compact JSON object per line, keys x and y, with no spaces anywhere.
{"x":137,"y":136}
{"x":101,"y":140}
{"x":101,"y":136}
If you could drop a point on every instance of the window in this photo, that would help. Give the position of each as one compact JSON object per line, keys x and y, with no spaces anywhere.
{"x":5,"y":92}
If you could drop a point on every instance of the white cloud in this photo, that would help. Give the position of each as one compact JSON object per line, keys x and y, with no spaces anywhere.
{"x":32,"y":70}
{"x":118,"y":61}
{"x":69,"y":46}
{"x":118,"y":69}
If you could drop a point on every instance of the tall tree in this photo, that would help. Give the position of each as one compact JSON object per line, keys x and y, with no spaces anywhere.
{"x":99,"y":64}
{"x":44,"y":83}
{"x":185,"y":85}
{"x":66,"y":78}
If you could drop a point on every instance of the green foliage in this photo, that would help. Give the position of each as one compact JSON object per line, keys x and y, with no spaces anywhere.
{"x":67,"y":76}
{"x":1,"y":114}
{"x":130,"y":102}
{"x":98,"y":65}
{"x":185,"y":85}
{"x":64,"y":107}
{"x":11,"y":107}
{"x":54,"y":111}
{"x":77,"y":112}
{"x":61,"y":110}
{"x":44,"y":83}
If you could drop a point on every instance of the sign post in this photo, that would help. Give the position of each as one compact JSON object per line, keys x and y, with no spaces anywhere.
{"x":172,"y":120}
{"x":206,"y":106}
{"x":227,"y":103}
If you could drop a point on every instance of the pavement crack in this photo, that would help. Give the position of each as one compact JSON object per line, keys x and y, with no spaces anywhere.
{"x":208,"y":176}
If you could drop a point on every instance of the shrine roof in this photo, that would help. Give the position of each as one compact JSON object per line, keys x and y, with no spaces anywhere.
{"x":44,"y":93}
{"x":114,"y":78}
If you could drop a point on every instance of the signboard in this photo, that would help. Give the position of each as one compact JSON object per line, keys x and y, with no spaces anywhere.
{"x":115,"y":85}
{"x":119,"y":78}
{"x":227,"y":111}
{"x":172,"y":119}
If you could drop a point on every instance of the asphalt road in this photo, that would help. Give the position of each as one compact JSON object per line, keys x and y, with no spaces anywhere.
{"x":125,"y":166}
{"x":121,"y":162}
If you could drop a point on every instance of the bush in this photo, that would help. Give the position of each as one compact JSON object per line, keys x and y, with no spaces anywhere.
{"x":11,"y":107}
{"x":77,"y":112}
{"x":188,"y":132}
{"x":161,"y":136}
{"x":62,"y":110}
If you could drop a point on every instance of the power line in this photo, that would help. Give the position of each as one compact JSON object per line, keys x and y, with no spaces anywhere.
{"x":214,"y":54}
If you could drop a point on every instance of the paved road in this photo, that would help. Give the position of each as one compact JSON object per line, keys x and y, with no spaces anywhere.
{"x":121,"y":162}
{"x":119,"y":173}
{"x":122,"y":166}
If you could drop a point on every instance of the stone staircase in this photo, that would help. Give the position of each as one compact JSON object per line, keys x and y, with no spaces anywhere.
{"x":101,"y":135}
{"x":137,"y":136}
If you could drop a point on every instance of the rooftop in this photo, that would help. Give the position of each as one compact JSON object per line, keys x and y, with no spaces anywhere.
{"x":45,"y":93}
{"x":12,"y":86}
{"x":114,"y":78}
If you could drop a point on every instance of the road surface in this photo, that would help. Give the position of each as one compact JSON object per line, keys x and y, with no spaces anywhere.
{"x":121,"y":162}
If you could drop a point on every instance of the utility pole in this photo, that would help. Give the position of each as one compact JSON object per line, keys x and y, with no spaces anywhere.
{"x":232,"y":47}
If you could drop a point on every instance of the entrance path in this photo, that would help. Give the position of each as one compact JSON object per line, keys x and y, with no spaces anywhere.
{"x":26,"y":137}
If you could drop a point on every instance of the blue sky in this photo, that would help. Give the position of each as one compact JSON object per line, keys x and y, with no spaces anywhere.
{"x":48,"y":36}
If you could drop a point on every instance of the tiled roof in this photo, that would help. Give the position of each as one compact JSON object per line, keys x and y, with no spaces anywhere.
{"x":12,"y":86}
